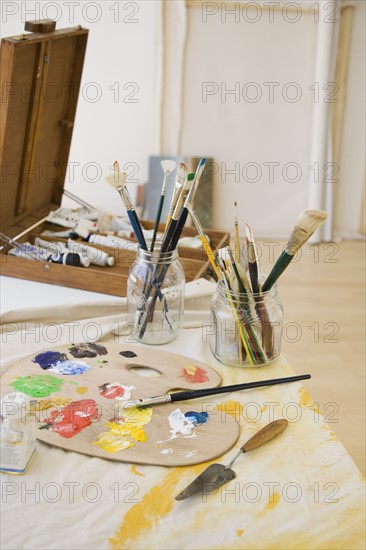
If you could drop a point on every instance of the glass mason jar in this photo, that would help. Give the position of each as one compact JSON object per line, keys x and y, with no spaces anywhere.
{"x":155,"y":296}
{"x":246,"y":329}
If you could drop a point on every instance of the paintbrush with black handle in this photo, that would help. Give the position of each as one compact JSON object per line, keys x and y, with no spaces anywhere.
{"x":196,"y":394}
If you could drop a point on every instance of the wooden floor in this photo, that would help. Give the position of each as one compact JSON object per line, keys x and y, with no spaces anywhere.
{"x":323,"y":295}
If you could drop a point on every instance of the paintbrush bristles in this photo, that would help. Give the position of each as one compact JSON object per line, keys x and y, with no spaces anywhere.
{"x":307,"y":223}
{"x":118,"y":180}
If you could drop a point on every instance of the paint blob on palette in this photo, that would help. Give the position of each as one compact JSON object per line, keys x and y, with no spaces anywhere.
{"x":76,"y":394}
{"x":55,"y":361}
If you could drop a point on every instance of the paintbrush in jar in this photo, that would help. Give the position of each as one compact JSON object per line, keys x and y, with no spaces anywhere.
{"x":253,"y":263}
{"x":180,"y":180}
{"x":173,"y":242}
{"x":168,"y":166}
{"x":260,"y":354}
{"x":236,"y":230}
{"x":260,"y":306}
{"x":307,"y":223}
{"x":118,"y":181}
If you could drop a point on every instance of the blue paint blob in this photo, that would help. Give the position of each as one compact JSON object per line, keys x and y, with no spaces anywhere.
{"x":70,"y":367}
{"x":47,"y":359}
{"x":58,"y":362}
{"x":197,"y":418}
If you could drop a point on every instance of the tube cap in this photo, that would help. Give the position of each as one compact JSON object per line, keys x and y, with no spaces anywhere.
{"x":72,"y":259}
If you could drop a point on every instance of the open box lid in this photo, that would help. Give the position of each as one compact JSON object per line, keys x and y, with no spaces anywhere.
{"x":40,"y":82}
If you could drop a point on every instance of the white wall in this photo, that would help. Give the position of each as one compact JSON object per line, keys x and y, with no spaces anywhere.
{"x":241,"y":133}
{"x":227,"y":50}
{"x":124,"y":51}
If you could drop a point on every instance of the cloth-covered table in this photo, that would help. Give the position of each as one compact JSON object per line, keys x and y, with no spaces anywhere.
{"x":303,"y":492}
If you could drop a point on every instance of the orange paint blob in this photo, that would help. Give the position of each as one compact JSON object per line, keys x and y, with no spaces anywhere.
{"x":195,"y":375}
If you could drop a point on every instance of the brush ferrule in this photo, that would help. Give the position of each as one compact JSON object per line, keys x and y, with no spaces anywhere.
{"x":298,"y":238}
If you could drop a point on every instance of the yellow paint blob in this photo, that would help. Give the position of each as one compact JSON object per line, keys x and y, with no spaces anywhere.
{"x":112,"y":443}
{"x":82,"y":389}
{"x":135,"y":471}
{"x":190,"y":369}
{"x":233,"y":408}
{"x":129,"y":428}
{"x":239,"y":532}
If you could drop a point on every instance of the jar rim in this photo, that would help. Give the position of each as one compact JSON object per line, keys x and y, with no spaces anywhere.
{"x":156,"y":256}
{"x":241,"y":296}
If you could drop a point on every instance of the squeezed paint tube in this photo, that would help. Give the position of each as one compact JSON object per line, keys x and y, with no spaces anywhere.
{"x":66,"y":233}
{"x":112,"y":242}
{"x":191,"y":242}
{"x":122,"y":233}
{"x":61,"y":248}
{"x":93,"y":255}
{"x":27,"y":250}
{"x":69,"y":219}
{"x":120,"y":224}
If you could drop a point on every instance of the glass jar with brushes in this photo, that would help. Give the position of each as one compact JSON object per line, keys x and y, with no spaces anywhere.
{"x":155,"y":296}
{"x":246,"y":328}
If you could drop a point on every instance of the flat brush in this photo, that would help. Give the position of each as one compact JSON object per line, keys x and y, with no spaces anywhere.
{"x":308,"y":222}
{"x":252,"y":260}
{"x":196,"y":394}
{"x":168,"y":167}
{"x":118,"y":181}
{"x":180,"y":179}
{"x":172,"y":225}
{"x":189,"y":201}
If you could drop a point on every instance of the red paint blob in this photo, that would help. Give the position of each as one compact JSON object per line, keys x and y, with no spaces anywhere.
{"x":199,"y":375}
{"x":111,"y":392}
{"x":74,"y":417}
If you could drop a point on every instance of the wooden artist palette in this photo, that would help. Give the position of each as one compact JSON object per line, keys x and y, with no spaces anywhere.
{"x":77,"y":411}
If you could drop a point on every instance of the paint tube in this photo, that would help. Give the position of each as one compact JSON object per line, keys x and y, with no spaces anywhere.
{"x":191,"y":242}
{"x":27,"y":250}
{"x":120,"y":224}
{"x":64,"y":234}
{"x":87,"y":214}
{"x":61,"y":248}
{"x":112,"y":242}
{"x":124,"y":233}
{"x":93,"y":255}
{"x":69,"y":219}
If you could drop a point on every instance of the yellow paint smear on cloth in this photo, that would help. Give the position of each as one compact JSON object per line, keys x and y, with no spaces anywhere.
{"x":233,"y":408}
{"x":144,"y":515}
{"x":306,"y":401}
{"x":272,"y":503}
{"x":153,"y":507}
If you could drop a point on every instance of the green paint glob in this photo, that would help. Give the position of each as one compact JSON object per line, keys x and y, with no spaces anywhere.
{"x":37,"y":385}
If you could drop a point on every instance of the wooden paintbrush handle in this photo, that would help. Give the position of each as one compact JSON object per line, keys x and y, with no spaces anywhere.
{"x":265,"y":434}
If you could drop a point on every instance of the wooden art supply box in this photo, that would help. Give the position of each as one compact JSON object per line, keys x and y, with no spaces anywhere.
{"x":40,"y":81}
